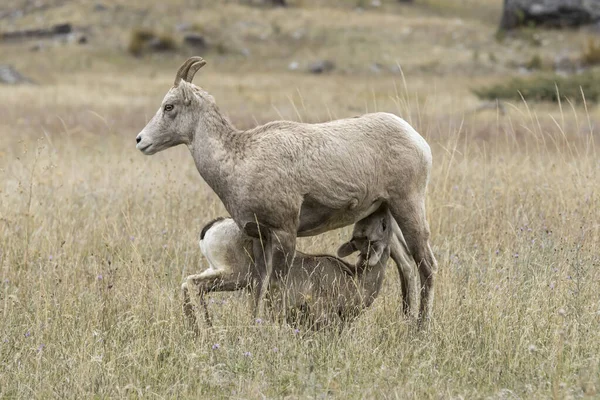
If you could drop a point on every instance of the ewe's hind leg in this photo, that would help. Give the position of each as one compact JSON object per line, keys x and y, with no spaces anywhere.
{"x":410,"y":216}
{"x":407,"y":276}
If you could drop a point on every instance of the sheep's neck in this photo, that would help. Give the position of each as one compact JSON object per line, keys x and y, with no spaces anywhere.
{"x":211,"y":148}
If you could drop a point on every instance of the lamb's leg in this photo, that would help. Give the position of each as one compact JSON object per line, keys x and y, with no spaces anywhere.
{"x":399,"y":253}
{"x":276,"y":248}
{"x":208,"y":281}
{"x":188,"y":308}
{"x":410,"y":216}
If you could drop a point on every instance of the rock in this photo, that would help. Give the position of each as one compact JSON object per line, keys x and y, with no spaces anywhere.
{"x":82,"y":39}
{"x":157,"y":44}
{"x":321,"y":66}
{"x":11,"y":76}
{"x":376,"y":68}
{"x":564,"y":64}
{"x":195,"y":40}
{"x":549,"y":13}
{"x":299,"y":34}
{"x":183,"y":27}
{"x":293,"y":66}
{"x":100,"y":7}
{"x":56,"y":30}
{"x":62,"y":29}
{"x":396,"y":69}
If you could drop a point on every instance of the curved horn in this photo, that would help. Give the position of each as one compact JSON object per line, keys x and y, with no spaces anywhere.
{"x":182,"y":72}
{"x":194,"y":68}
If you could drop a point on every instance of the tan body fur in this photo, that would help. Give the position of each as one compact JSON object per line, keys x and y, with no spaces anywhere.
{"x":287,"y":179}
{"x":317,"y":289}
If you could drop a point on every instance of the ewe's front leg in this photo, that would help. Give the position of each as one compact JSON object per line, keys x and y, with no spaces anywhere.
{"x":277,"y":249}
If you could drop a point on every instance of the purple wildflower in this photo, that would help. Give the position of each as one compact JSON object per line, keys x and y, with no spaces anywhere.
{"x":216,"y":346}
{"x":132,"y":238}
{"x":27,"y":334}
{"x":296,"y":331}
{"x":275,"y":349}
{"x":50,"y":257}
{"x":258,"y":321}
{"x":247,"y":354}
{"x":100,"y":277}
{"x":41,"y":347}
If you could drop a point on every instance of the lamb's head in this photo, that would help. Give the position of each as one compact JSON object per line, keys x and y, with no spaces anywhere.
{"x":370,"y":237}
{"x":177,"y":118}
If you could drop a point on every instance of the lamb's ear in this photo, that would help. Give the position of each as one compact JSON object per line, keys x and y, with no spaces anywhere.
{"x":346,"y":249}
{"x":375,"y":255}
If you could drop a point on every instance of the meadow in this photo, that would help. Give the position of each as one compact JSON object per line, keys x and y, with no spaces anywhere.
{"x":96,"y":239}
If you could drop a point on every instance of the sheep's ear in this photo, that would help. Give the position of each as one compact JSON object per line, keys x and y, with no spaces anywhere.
{"x":346,"y":249}
{"x":375,"y":255}
{"x":187,"y":94}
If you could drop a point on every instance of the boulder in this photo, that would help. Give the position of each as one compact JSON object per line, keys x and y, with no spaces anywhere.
{"x":11,"y":76}
{"x":195,"y":40}
{"x":549,"y":13}
{"x":321,"y":66}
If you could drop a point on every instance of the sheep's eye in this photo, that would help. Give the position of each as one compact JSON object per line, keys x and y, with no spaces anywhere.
{"x":169,"y":107}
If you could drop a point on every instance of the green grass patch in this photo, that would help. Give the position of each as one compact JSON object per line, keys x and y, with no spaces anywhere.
{"x":546,"y":88}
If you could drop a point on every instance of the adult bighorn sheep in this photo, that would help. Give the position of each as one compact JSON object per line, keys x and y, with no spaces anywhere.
{"x":286,"y":179}
{"x":317,"y":290}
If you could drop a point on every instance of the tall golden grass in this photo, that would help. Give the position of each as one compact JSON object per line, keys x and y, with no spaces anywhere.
{"x":95,"y":240}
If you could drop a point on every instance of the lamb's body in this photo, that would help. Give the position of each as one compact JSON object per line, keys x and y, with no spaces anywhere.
{"x":318,"y":288}
{"x":285,"y":179}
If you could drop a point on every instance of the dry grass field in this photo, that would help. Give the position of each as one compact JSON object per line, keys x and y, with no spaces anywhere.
{"x":95,"y":238}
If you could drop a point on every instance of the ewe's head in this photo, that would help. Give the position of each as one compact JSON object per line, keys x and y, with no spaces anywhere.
{"x":177,"y":118}
{"x":370,"y":238}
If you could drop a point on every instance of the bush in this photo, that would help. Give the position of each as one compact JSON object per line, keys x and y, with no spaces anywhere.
{"x":138,"y":40}
{"x":534,"y":63}
{"x":142,"y":40}
{"x":591,"y":52}
{"x":544,"y":88}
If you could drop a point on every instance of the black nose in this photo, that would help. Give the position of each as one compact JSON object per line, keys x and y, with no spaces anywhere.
{"x":138,"y":139}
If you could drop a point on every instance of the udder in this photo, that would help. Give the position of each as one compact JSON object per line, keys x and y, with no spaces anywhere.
{"x":316,"y":218}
